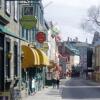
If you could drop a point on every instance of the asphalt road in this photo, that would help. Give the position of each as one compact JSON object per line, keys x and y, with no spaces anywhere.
{"x":78,"y":89}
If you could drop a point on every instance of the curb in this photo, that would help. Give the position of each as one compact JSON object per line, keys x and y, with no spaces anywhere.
{"x":90,"y":82}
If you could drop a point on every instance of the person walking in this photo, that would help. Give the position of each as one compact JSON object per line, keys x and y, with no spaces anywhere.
{"x":58,"y":81}
{"x":30,"y":85}
{"x":53,"y":79}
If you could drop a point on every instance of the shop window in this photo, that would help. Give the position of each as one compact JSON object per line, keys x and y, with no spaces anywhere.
{"x":8,"y":7}
{"x":7,"y":59}
{"x":15,"y":59}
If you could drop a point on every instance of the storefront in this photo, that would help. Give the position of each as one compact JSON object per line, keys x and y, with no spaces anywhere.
{"x":9,"y":66}
{"x":33,"y":63}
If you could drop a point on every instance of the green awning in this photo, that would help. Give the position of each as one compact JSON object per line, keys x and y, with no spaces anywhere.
{"x":5,"y":30}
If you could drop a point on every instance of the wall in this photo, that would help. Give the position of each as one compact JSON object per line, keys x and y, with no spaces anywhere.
{"x":76,"y":60}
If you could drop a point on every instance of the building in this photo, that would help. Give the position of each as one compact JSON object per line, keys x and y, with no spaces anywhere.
{"x":96,"y":56}
{"x":21,"y":54}
{"x":33,"y":46}
{"x":85,"y":53}
{"x":9,"y":45}
{"x":69,"y":57}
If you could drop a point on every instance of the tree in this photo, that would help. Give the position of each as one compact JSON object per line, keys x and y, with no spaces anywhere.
{"x":92,"y":22}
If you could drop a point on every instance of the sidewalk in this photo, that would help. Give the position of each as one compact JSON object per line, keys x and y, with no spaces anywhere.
{"x":47,"y":93}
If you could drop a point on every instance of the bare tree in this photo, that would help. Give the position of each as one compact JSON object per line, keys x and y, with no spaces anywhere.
{"x":92,"y":22}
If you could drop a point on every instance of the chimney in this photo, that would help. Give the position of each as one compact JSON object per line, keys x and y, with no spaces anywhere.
{"x":76,"y":39}
{"x":68,"y":39}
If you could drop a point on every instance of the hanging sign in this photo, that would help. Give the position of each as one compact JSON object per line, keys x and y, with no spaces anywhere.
{"x":40,"y":37}
{"x":28,"y":22}
{"x":45,"y":46}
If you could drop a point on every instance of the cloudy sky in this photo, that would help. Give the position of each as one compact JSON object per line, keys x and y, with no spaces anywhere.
{"x":68,"y":14}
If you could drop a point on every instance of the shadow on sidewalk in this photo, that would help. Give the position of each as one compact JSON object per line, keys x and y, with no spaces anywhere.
{"x":54,"y":92}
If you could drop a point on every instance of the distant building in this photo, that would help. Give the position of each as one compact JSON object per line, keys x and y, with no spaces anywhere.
{"x":69,"y":56}
{"x":96,"y":56}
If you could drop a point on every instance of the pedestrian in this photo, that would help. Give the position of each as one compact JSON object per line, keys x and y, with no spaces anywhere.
{"x":53,"y":79}
{"x":30,"y":85}
{"x":33,"y":86}
{"x":54,"y":83}
{"x":57,"y":82}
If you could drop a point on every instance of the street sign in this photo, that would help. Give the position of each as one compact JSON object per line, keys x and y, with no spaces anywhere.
{"x":28,"y":21}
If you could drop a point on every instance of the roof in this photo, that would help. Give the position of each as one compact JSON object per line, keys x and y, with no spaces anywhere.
{"x":72,"y":48}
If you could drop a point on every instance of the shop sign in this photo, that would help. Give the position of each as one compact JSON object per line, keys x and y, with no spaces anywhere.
{"x":45,"y":46}
{"x":28,"y":21}
{"x":40,"y":37}
{"x":4,"y":95}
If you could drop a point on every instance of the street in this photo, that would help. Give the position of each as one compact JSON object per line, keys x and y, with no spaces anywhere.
{"x":73,"y":89}
{"x":80,"y":89}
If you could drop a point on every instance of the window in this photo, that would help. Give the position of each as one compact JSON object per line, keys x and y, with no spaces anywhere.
{"x":23,"y":33}
{"x":15,"y":59}
{"x":15,"y":10}
{"x":27,"y":34}
{"x":7,"y":59}
{"x":8,"y":7}
{"x":0,"y":3}
{"x":30,"y":36}
{"x":33,"y":35}
{"x":28,"y":10}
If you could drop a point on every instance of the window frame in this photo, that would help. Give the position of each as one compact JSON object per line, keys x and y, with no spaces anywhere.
{"x":0,"y":4}
{"x":8,"y":7}
{"x":15,"y":11}
{"x":8,"y":64}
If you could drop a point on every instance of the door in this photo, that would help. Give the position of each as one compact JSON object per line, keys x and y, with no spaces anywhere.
{"x":1,"y":62}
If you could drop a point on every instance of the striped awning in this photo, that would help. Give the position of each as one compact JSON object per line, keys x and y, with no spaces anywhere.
{"x":30,"y":57}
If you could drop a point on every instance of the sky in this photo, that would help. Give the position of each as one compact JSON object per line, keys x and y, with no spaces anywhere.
{"x":68,"y":15}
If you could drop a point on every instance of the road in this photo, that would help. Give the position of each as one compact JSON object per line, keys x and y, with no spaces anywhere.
{"x":73,"y":89}
{"x":78,"y":89}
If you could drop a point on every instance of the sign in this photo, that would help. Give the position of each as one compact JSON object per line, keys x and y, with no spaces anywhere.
{"x":4,"y":95}
{"x":40,"y":37}
{"x":45,"y":46}
{"x":28,"y":21}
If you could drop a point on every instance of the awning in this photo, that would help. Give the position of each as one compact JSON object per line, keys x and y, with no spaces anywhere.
{"x":44,"y":60}
{"x":31,"y":57}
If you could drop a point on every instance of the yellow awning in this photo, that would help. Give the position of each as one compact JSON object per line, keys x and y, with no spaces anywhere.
{"x":44,"y":60}
{"x":31,"y":57}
